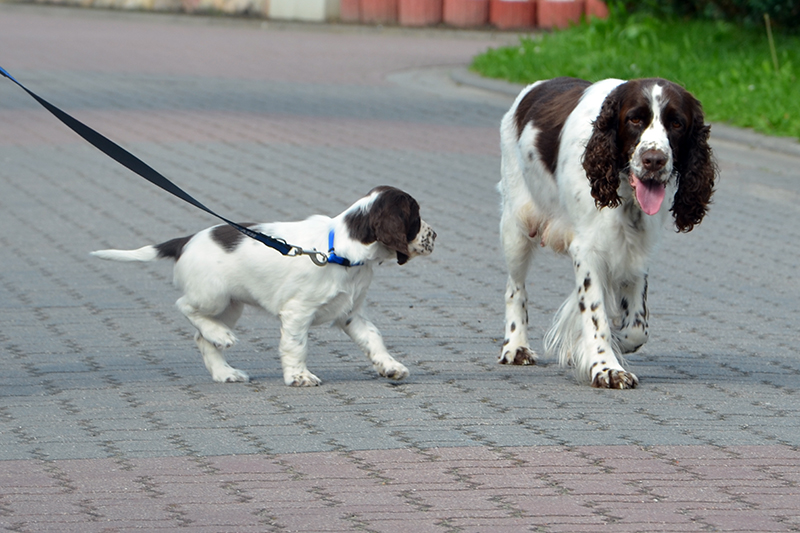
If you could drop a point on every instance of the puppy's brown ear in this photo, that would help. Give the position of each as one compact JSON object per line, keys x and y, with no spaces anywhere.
{"x":395,"y":220}
{"x":390,"y":231}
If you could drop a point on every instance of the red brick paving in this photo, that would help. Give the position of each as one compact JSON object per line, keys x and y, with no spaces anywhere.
{"x":464,"y":489}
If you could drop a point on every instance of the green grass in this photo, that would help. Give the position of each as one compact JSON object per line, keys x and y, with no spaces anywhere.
{"x":729,"y":68}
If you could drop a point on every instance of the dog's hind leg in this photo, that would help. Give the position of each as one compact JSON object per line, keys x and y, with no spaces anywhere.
{"x":209,"y":320}
{"x":216,"y":364}
{"x":369,"y":339}
{"x":219,"y":328}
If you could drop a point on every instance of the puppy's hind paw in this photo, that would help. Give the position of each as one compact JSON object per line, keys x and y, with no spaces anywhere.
{"x":221,"y":338}
{"x":223,"y":342}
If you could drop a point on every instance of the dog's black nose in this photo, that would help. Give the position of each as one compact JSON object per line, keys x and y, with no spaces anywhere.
{"x":654,"y":160}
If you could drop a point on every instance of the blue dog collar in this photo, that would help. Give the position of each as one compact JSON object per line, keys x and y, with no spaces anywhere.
{"x":336,"y":259}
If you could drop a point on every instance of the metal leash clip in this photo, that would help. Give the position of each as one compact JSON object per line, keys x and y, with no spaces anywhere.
{"x":317,"y":257}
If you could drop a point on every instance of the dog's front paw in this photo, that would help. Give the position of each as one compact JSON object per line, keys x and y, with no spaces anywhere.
{"x":392,"y":370}
{"x":302,"y":379}
{"x":614,"y":379}
{"x":228,"y":374}
{"x":519,"y":356}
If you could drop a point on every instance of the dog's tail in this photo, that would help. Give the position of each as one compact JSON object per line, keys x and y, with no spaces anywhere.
{"x":146,"y":253}
{"x":170,"y":249}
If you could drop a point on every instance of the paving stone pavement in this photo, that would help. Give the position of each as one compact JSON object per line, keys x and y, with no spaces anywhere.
{"x":109,"y":421}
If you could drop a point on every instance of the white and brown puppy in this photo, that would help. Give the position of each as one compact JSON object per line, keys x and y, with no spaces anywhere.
{"x":586,"y":168}
{"x":219,"y":270}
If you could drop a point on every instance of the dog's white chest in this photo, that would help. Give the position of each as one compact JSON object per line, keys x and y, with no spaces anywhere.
{"x":338,"y":306}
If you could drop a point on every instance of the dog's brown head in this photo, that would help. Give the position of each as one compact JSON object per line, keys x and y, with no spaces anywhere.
{"x":653,"y":131}
{"x":391,"y":217}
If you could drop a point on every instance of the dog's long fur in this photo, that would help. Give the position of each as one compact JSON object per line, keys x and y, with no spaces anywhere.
{"x":585,"y":169}
{"x":219,"y":270}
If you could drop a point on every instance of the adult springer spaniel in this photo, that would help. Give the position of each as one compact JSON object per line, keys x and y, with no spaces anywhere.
{"x":586,"y":168}
{"x":220,"y":270}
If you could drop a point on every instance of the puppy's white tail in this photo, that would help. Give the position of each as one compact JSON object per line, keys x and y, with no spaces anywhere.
{"x":172,"y":249}
{"x":145,"y":253}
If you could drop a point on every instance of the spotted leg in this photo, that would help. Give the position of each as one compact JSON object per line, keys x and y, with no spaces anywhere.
{"x":632,"y":332}
{"x":518,"y":248}
{"x":594,"y":356}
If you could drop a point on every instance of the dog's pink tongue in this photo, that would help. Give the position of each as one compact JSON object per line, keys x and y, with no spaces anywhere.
{"x":650,"y":194}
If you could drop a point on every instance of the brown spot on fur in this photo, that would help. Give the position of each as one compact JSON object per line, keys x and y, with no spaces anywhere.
{"x":172,"y":248}
{"x":229,"y":237}
{"x":547,"y":107}
{"x":523,"y":357}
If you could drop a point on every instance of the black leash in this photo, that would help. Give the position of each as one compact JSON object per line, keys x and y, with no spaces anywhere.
{"x":134,"y":164}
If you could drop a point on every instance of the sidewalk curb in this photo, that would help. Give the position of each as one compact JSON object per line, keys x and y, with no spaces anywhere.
{"x":783,"y":145}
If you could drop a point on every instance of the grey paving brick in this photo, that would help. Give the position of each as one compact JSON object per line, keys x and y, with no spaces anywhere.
{"x":108,"y":420}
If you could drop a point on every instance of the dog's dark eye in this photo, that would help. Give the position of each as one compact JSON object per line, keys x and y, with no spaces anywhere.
{"x":676,"y":125}
{"x":635,"y":121}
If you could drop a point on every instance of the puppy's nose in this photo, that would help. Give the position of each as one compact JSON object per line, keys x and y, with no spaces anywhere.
{"x":433,"y":235}
{"x":654,"y":160}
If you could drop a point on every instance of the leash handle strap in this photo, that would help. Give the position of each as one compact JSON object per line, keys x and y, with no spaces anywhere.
{"x":134,"y":164}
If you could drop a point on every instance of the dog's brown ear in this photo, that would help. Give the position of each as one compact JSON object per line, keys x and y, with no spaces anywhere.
{"x":600,"y":159}
{"x":395,"y":219}
{"x":390,"y":231}
{"x":697,"y":172}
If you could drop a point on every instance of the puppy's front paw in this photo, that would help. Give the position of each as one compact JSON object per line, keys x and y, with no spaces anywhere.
{"x":392,"y":370}
{"x":302,"y":379}
{"x":228,"y":374}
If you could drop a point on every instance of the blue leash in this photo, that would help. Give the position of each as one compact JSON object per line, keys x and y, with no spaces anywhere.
{"x":134,"y":164}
